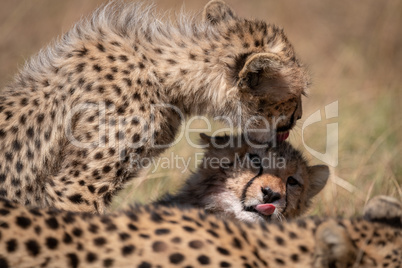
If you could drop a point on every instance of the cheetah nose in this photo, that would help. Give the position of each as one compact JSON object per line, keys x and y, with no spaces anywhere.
{"x":269,"y":196}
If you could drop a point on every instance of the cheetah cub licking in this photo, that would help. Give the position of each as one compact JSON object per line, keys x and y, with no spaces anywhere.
{"x":117,"y":86}
{"x":251,"y":184}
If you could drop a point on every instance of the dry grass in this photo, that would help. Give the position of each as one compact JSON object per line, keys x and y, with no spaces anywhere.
{"x":354,"y":52}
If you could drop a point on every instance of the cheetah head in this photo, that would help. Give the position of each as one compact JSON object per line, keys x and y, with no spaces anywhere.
{"x":264,"y":76}
{"x":252,"y":184}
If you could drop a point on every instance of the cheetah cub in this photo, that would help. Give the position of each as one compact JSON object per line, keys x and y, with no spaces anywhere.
{"x":160,"y":236}
{"x":236,"y":180}
{"x":118,"y":85}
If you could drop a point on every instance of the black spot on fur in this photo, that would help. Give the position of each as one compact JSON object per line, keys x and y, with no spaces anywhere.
{"x":67,"y":239}
{"x":3,"y":263}
{"x":303,"y":249}
{"x":100,"y":47}
{"x":97,"y":68}
{"x":23,"y":119}
{"x":189,"y":229}
{"x":223,"y":251}
{"x":123,"y":58}
{"x":109,"y":77}
{"x":91,"y":257}
{"x":162,"y":231}
{"x":203,"y":260}
{"x":144,"y":265}
{"x":30,"y":132}
{"x":77,"y":232}
{"x":52,"y":223}
{"x":128,"y":82}
{"x":73,"y":260}
{"x":279,"y":240}
{"x":108,"y":262}
{"x":225,"y":264}
{"x":127,"y":250}
{"x":40,"y":118}
{"x":196,"y":244}
{"x":176,"y":258}
{"x":76,"y":198}
{"x":99,"y":241}
{"x":159,"y":246}
{"x":80,"y":67}
{"x":237,"y":243}
{"x":9,"y":115}
{"x":124,"y":236}
{"x":16,"y":145}
{"x":294,"y":257}
{"x":93,"y":228}
{"x":98,"y":155}
{"x":111,"y":58}
{"x":32,"y":247}
{"x":2,"y":133}
{"x":213,"y":233}
{"x":11,"y":246}
{"x":23,"y":222}
{"x":91,"y":188}
{"x":106,"y":169}
{"x":103,"y":189}
{"x":280,"y":261}
{"x":3,"y":178}
{"x":52,"y":242}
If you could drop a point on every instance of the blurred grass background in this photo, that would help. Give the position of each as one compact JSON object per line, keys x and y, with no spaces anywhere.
{"x":354,"y":51}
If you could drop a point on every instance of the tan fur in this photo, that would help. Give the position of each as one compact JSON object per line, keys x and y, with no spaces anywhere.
{"x":84,"y":107}
{"x":219,"y":188}
{"x":156,"y":236}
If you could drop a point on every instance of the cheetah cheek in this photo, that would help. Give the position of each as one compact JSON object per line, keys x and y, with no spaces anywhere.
{"x":265,"y":209}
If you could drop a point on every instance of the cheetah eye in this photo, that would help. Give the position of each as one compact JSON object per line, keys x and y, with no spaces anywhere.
{"x":253,"y":79}
{"x":255,"y":160}
{"x":292,"y":181}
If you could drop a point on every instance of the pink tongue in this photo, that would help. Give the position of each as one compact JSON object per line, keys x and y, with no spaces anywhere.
{"x":266,"y":209}
{"x":282,"y":136}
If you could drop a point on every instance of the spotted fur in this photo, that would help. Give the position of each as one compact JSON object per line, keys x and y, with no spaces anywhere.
{"x":102,"y":95}
{"x":247,"y":176}
{"x":155,"y":236}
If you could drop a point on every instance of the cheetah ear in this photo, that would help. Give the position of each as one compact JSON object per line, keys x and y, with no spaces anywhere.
{"x":334,"y":247}
{"x":267,"y":64}
{"x":217,"y":11}
{"x":319,"y":175}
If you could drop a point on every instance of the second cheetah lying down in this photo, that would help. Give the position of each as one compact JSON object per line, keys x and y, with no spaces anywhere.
{"x":158,"y":236}
{"x":249,"y":183}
